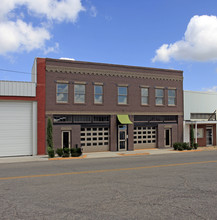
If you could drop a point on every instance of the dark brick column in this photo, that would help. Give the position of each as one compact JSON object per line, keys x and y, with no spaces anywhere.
{"x":160,"y":136}
{"x":130,"y":134}
{"x":180,"y":128}
{"x":113,"y":133}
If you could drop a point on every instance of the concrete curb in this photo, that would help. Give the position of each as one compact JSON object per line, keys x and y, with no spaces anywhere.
{"x":108,"y":154}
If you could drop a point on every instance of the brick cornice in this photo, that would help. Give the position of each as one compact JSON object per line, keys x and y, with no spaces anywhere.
{"x":103,"y":72}
{"x":110,"y":113}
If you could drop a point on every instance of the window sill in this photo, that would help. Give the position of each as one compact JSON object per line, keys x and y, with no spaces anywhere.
{"x":160,"y":105}
{"x":143,"y":105}
{"x":98,"y":103}
{"x":172,"y":105}
{"x":62,"y":103}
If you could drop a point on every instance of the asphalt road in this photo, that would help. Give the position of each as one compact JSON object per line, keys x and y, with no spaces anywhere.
{"x":171,"y":186}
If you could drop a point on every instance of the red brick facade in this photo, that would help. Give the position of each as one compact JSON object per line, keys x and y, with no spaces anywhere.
{"x":111,"y":76}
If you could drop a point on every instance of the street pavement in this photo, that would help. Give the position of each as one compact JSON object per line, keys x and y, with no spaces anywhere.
{"x":107,"y":154}
{"x":155,"y":186}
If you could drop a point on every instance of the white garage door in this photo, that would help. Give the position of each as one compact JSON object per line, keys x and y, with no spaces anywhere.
{"x":15,"y":128}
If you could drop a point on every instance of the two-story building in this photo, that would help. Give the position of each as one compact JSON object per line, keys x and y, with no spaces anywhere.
{"x":107,"y":107}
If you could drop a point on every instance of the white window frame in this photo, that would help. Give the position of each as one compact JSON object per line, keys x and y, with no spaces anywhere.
{"x":159,"y":97}
{"x":83,"y":93}
{"x":123,"y":95}
{"x":144,"y":96}
{"x":98,"y":94}
{"x":172,"y":97}
{"x":62,"y":92}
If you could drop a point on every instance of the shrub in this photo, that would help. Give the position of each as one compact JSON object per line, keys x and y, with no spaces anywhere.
{"x":75,"y":152}
{"x":49,"y":133}
{"x":59,"y":152}
{"x":180,"y":148}
{"x":176,"y":145}
{"x":192,"y":136}
{"x":186,"y":146}
{"x":50,"y":152}
{"x":195,"y":145}
{"x":65,"y":152}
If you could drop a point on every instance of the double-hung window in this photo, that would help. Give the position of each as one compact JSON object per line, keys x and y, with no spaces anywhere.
{"x":61,"y":93}
{"x":122,"y":95}
{"x":98,"y":94}
{"x":159,"y":96}
{"x":144,"y":96}
{"x":171,"y":97}
{"x":79,"y":93}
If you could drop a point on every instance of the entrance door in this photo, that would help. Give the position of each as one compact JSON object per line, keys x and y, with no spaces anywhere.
{"x":122,"y":137}
{"x":66,"y":139}
{"x":209,"y":137}
{"x":167,"y":137}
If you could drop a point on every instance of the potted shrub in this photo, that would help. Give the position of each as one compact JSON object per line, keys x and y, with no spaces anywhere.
{"x":195,"y":146}
{"x":59,"y":152}
{"x":75,"y":152}
{"x":176,"y":145}
{"x":50,"y":152}
{"x":65,"y":152}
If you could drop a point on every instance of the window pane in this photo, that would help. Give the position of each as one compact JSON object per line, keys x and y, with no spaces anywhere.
{"x":159,"y":92}
{"x":144,"y":92}
{"x":122,"y":100}
{"x":171,"y":101}
{"x":144,"y":100}
{"x":171,"y":93}
{"x":62,"y":97}
{"x":62,"y":88}
{"x":80,"y":89}
{"x":62,"y":93}
{"x":159,"y":101}
{"x":79,"y":98}
{"x":98,"y":99}
{"x":98,"y":89}
{"x":122,"y":90}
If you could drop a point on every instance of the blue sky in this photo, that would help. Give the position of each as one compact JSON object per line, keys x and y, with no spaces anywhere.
{"x":171,"y":34}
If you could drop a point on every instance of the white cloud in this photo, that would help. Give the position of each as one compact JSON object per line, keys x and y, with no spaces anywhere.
{"x":60,"y":10}
{"x":212,"y":89}
{"x":53,"y":49}
{"x":199,"y":42}
{"x":93,"y":11}
{"x":19,"y":35}
{"x":65,"y":58}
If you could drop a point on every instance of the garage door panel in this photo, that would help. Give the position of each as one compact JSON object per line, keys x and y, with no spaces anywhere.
{"x":15,"y":128}
{"x":144,"y":137}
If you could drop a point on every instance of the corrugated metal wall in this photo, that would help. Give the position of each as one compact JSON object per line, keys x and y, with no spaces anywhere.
{"x":8,"y":88}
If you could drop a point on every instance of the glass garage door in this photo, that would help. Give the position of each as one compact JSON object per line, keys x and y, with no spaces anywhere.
{"x":145,"y":137}
{"x":95,"y":139}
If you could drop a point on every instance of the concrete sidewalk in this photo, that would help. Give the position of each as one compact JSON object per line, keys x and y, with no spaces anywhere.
{"x":107,"y":154}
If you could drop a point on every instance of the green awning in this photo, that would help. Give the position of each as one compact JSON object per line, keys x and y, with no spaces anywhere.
{"x":124,"y":119}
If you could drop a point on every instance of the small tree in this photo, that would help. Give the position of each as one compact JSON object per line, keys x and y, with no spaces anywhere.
{"x":192,"y":136}
{"x":49,"y":133}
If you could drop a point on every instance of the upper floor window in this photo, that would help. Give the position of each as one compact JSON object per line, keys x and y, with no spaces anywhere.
{"x":159,"y":96}
{"x":98,"y":94}
{"x":62,"y":93}
{"x":79,"y":93}
{"x":144,"y":96}
{"x":122,"y":94}
{"x":171,"y":96}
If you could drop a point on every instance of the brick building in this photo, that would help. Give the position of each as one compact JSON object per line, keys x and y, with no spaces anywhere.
{"x":106,"y":107}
